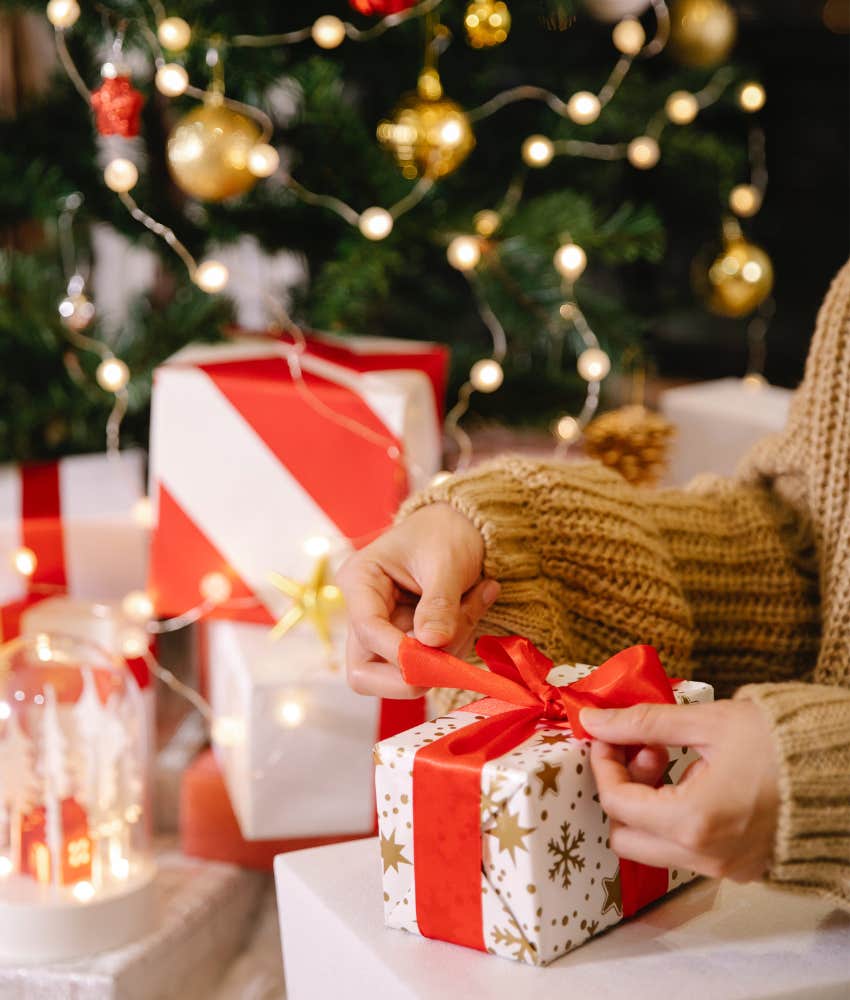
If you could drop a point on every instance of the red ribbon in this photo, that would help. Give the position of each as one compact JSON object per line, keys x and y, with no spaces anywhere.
{"x":447,"y":773}
{"x":41,"y":522}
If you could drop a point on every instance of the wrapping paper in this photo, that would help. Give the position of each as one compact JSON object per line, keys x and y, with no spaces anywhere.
{"x":550,"y":880}
{"x":246,"y":465}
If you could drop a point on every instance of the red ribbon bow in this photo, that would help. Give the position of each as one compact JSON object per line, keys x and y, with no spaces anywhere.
{"x":447,"y":772}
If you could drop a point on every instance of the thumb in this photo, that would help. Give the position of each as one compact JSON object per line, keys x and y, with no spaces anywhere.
{"x":654,"y":725}
{"x":437,"y":616}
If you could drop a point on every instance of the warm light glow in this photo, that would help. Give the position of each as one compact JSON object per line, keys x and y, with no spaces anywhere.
{"x":745,"y":200}
{"x":754,"y":382}
{"x":120,"y":175}
{"x":171,"y":79}
{"x":628,"y":36}
{"x":138,"y":606}
{"x":752,"y":96}
{"x":174,"y":33}
{"x":24,"y":560}
{"x":63,"y":13}
{"x":486,"y":222}
{"x":5,"y":710}
{"x":215,"y":588}
{"x":291,"y":713}
{"x":263,"y":160}
{"x":83,"y":891}
{"x":112,"y":374}
{"x":143,"y":512}
{"x":317,"y":546}
{"x":681,"y":107}
{"x":752,"y":271}
{"x":440,"y":477}
{"x":42,"y":649}
{"x":568,"y":429}
{"x":228,"y":731}
{"x":570,"y":261}
{"x":328,"y":31}
{"x":375,"y":223}
{"x":643,"y":152}
{"x":537,"y":151}
{"x":211,"y":276}
{"x":567,"y":311}
{"x":464,"y":252}
{"x":452,"y":132}
{"x":6,"y":866}
{"x":134,"y":643}
{"x":120,"y":868}
{"x":583,"y":107}
{"x":486,"y":375}
{"x":593,"y":364}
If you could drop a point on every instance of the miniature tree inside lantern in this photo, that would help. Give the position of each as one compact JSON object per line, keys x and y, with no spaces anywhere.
{"x":75,"y":863}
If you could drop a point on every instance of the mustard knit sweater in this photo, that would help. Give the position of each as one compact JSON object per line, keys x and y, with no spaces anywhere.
{"x":736,"y":582}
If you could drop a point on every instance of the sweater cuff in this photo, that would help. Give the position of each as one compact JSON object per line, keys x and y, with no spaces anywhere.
{"x":811,"y":731}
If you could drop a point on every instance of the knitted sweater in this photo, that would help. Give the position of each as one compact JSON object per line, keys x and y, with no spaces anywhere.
{"x":735,"y":582}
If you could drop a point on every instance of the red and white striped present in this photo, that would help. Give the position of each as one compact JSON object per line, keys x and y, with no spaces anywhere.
{"x":247,"y":463}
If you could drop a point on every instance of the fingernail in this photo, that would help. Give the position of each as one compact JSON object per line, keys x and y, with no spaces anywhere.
{"x":490,"y":592}
{"x":433,"y":634}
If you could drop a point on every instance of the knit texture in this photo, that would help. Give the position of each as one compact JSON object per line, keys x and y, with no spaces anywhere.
{"x":742,"y":582}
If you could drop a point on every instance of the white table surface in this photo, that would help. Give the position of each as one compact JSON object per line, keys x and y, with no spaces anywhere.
{"x":709,"y":941}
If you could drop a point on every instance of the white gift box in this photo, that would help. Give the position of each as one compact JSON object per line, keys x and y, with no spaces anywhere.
{"x":292,"y":739}
{"x":717,"y":422}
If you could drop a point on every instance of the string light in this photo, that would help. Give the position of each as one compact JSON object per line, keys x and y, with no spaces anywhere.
{"x":486,"y":375}
{"x":112,"y":374}
{"x":584,"y":107}
{"x":375,"y":223}
{"x":464,"y":252}
{"x":628,"y":36}
{"x":6,"y":866}
{"x":263,"y":160}
{"x":643,"y":152}
{"x":24,"y":561}
{"x":751,"y":96}
{"x":291,"y":713}
{"x":134,"y":643}
{"x":328,"y":32}
{"x":570,"y":261}
{"x":76,"y":311}
{"x":142,"y":512}
{"x":215,"y":588}
{"x":83,"y":891}
{"x":120,"y":174}
{"x":174,"y":34}
{"x":138,"y":606}
{"x":681,"y":107}
{"x":745,"y":200}
{"x":316,"y":546}
{"x":537,"y":151}
{"x":228,"y":731}
{"x":486,"y":222}
{"x":171,"y":80}
{"x":211,"y":276}
{"x":568,"y":429}
{"x":63,"y":13}
{"x":593,"y":364}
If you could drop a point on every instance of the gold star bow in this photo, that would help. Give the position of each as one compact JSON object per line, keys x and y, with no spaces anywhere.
{"x":314,"y":601}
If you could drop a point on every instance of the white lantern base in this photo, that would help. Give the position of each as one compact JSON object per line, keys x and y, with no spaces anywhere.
{"x":48,"y":930}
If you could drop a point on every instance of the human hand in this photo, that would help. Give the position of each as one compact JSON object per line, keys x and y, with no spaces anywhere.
{"x":720,"y":819}
{"x":422,"y":575}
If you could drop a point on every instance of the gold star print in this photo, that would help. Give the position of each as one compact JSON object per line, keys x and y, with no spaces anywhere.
{"x":488,"y":800}
{"x":551,"y":739}
{"x":314,"y":601}
{"x":509,"y":833}
{"x":613,"y":894}
{"x":547,"y":775}
{"x":391,"y":853}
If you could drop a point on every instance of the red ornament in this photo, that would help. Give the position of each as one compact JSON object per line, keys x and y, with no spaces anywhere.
{"x":117,"y":106}
{"x":382,"y":7}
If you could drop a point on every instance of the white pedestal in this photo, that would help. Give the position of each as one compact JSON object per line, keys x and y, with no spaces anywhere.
{"x":707,"y":941}
{"x":717,"y":423}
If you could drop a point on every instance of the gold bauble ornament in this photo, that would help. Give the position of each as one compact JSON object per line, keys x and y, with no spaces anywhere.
{"x":208,"y":152}
{"x":428,"y":134}
{"x":702,"y":32}
{"x":739,"y":279}
{"x":487,"y":23}
{"x":631,"y":440}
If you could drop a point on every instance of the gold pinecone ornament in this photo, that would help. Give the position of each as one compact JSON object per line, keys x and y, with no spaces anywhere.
{"x":633,"y":441}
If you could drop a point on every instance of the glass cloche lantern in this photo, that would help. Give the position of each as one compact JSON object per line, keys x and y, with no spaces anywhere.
{"x":76,"y":868}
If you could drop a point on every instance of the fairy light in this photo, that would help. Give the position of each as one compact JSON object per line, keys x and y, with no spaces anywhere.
{"x":263,"y":160}
{"x":137,"y":605}
{"x":681,"y":107}
{"x":120,"y":868}
{"x":291,"y":713}
{"x":134,"y":643}
{"x":537,"y":151}
{"x":63,"y":13}
{"x":171,"y":80}
{"x":215,"y":588}
{"x":24,"y":561}
{"x":142,"y":512}
{"x":751,"y":96}
{"x":584,"y":107}
{"x":42,"y":648}
{"x":643,"y":152}
{"x":6,"y":866}
{"x":112,"y":374}
{"x":464,"y":252}
{"x":228,"y":731}
{"x":570,"y":261}
{"x":5,"y":710}
{"x":211,"y":276}
{"x":568,"y":429}
{"x":745,"y":200}
{"x":120,"y":174}
{"x":486,"y":222}
{"x":628,"y":36}
{"x":440,"y":477}
{"x":83,"y":891}
{"x":317,"y":546}
{"x":486,"y":375}
{"x":174,"y":34}
{"x":593,"y":364}
{"x":328,"y":32}
{"x":375,"y":223}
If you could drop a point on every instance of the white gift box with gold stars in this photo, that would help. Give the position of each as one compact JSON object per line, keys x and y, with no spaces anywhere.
{"x":549,"y":879}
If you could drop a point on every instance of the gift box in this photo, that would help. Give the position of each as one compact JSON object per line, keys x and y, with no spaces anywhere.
{"x":291,"y":737}
{"x":78,"y":518}
{"x":491,"y":831}
{"x":248,"y":463}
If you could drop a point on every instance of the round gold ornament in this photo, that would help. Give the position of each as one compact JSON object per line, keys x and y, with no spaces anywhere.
{"x":428,"y":134}
{"x":487,"y":23}
{"x":208,"y":152}
{"x":702,"y":32}
{"x":739,"y":279}
{"x":631,"y":440}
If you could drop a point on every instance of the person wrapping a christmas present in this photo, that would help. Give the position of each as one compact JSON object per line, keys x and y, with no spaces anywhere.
{"x":744,"y":584}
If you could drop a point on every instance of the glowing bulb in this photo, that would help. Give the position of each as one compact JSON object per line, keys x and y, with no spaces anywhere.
{"x":753,"y":382}
{"x":593,"y":364}
{"x":568,"y":429}
{"x":486,"y":375}
{"x":174,"y":33}
{"x":628,"y":36}
{"x":752,"y":271}
{"x":486,"y":222}
{"x":745,"y":200}
{"x":376,"y":223}
{"x":643,"y":152}
{"x":25,"y":561}
{"x":752,"y":96}
{"x":5,"y":710}
{"x":120,"y":175}
{"x":134,"y":643}
{"x":291,"y":713}
{"x":570,"y":261}
{"x":583,"y":107}
{"x":171,"y":80}
{"x":112,"y":374}
{"x":138,"y":606}
{"x":317,"y":546}
{"x":440,"y":478}
{"x":681,"y":107}
{"x":452,"y":132}
{"x":537,"y":151}
{"x":464,"y":252}
{"x":6,"y":867}
{"x":228,"y":731}
{"x":83,"y":891}
{"x":263,"y":160}
{"x":42,"y":648}
{"x":143,"y":512}
{"x":328,"y":31}
{"x":215,"y":588}
{"x":567,"y":311}
{"x":211,"y":276}
{"x":63,"y":13}
{"x":120,"y":868}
